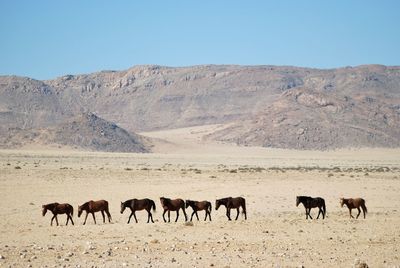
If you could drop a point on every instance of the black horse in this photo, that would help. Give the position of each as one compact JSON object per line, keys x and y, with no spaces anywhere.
{"x":232,"y":203}
{"x":139,"y":204}
{"x":310,"y":202}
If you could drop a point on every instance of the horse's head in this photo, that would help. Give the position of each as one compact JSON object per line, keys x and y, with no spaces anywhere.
{"x":163,"y":200}
{"x":44,"y":210}
{"x":122,"y":207}
{"x":297,"y":201}
{"x":79,"y":211}
{"x":187,"y":203}
{"x":341,"y":202}
{"x":217,"y":204}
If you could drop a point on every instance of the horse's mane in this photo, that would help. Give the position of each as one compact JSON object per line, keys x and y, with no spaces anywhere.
{"x":50,"y":206}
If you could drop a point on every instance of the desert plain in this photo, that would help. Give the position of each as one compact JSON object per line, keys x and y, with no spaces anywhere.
{"x":276,"y":233}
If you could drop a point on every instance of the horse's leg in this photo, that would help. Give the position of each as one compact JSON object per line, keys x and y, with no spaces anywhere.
{"x":104,"y":218}
{"x":209,"y":214}
{"x":52,"y":218}
{"x":169,"y":215}
{"x":319,"y":212}
{"x":191,"y":218}
{"x":134,"y":215}
{"x":228,"y":213}
{"x":244,"y":211}
{"x":163,"y":215}
{"x":148,"y":216}
{"x":70,"y":217}
{"x":94,"y":218}
{"x":205,"y":217}
{"x":197,"y":216}
{"x":359,"y":212}
{"x":177,"y":215}
{"x":184,"y":213}
{"x":151,"y":216}
{"x":309,"y":213}
{"x":87,"y":213}
{"x":56,"y":219}
{"x":351,"y":216}
{"x":67,"y":219}
{"x":130,"y":216}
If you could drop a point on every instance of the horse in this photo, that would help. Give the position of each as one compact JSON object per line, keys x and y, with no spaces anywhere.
{"x":95,"y":206}
{"x":57,"y":208}
{"x":230,"y":203}
{"x":354,"y":203}
{"x":139,"y":204}
{"x":310,"y":202}
{"x":199,"y":205}
{"x":172,"y":205}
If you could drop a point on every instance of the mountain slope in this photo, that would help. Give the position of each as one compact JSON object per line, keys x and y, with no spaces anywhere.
{"x":274,"y":106}
{"x":86,"y":131}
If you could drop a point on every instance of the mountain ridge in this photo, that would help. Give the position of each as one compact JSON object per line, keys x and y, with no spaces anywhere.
{"x":316,"y":108}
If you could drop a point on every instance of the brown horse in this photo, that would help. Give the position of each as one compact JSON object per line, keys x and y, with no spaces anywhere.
{"x":199,"y":205}
{"x":354,"y":203}
{"x":95,"y":206}
{"x":172,"y":205}
{"x":311,"y":202}
{"x":230,"y":203}
{"x":57,"y":208}
{"x":139,"y":204}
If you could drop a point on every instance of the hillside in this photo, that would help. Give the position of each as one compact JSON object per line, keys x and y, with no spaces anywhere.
{"x":271,"y":106}
{"x":84,"y":132}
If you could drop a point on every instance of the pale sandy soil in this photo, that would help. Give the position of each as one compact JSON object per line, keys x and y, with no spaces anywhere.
{"x":276,"y":233}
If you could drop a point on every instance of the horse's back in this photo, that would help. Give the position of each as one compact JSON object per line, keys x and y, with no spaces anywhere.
{"x":98,"y":205}
{"x":358,"y":201}
{"x":64,"y":208}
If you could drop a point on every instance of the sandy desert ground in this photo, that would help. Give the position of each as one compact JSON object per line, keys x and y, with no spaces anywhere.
{"x":276,"y":233}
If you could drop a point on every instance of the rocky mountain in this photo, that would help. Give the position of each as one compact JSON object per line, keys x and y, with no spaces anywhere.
{"x":86,"y":131}
{"x":272,"y":106}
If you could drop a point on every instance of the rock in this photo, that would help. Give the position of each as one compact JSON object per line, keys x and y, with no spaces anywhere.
{"x":2,"y":257}
{"x":70,"y":254}
{"x":188,"y":223}
{"x":154,"y":241}
{"x":360,"y":264}
{"x":173,"y":260}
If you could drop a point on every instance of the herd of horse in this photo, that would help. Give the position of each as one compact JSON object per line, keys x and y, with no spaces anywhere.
{"x":168,"y":205}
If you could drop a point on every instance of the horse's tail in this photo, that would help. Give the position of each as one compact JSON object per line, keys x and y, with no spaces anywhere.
{"x":244,"y":207}
{"x":364,"y":207}
{"x":72,"y":211}
{"x":324,"y":207}
{"x":153,"y":205}
{"x":108,"y":212}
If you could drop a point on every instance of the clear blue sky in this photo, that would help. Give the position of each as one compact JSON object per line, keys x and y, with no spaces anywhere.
{"x":45,"y":39}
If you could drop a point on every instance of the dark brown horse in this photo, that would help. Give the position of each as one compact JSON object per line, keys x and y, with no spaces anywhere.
{"x":95,"y":206}
{"x":310,"y":202}
{"x":139,"y":204}
{"x":199,"y":205}
{"x":231,"y":203}
{"x":172,"y":205}
{"x":56,"y":209}
{"x":354,"y":203}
